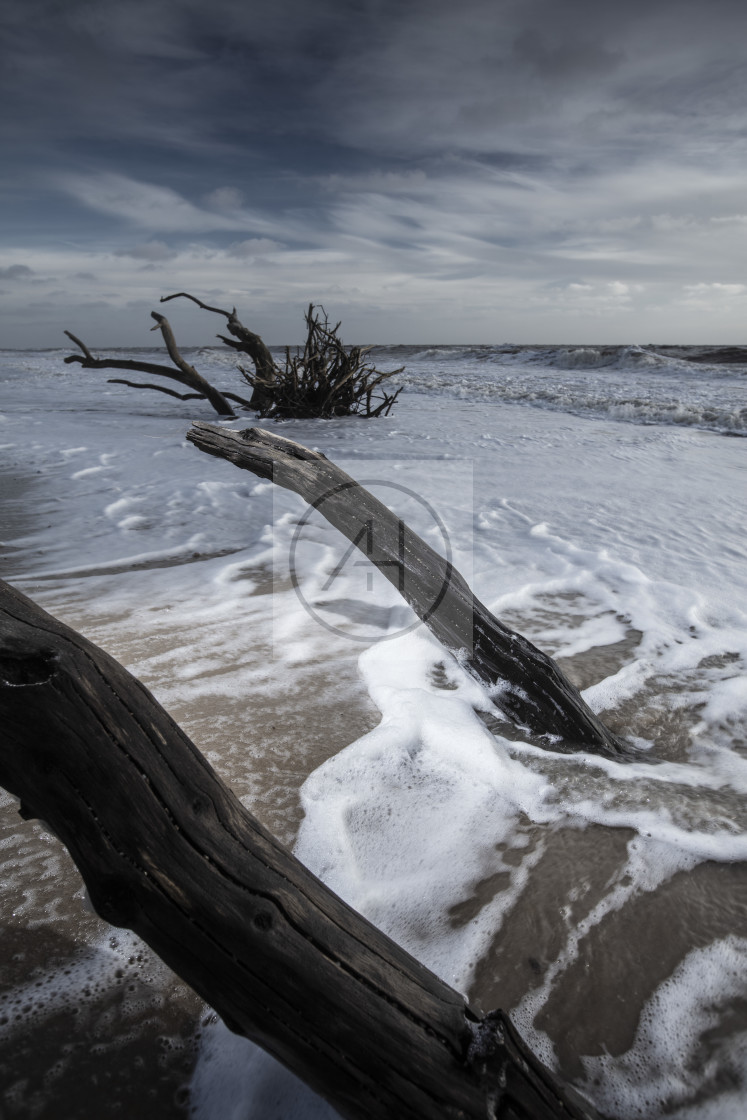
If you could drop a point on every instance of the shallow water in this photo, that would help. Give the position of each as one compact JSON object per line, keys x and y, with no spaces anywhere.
{"x":602,"y":904}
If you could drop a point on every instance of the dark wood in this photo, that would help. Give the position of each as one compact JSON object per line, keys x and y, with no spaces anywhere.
{"x":235,"y":397}
{"x":157,"y":388}
{"x":246,"y":342}
{"x":327,"y":378}
{"x":324,"y":379}
{"x":192,"y":378}
{"x":166,"y":850}
{"x":182,"y":371}
{"x":526,"y":684}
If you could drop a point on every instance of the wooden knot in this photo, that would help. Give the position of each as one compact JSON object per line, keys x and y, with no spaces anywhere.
{"x":33,"y":667}
{"x":263,"y":921}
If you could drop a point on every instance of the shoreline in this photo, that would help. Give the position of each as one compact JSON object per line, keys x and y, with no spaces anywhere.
{"x":16,"y":515}
{"x":614,"y":546}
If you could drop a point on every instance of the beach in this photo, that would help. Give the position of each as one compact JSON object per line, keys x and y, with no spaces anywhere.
{"x":595,"y":500}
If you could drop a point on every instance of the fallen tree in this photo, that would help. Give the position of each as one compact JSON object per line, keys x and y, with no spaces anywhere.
{"x":166,"y":850}
{"x":526,"y":684}
{"x":323,"y":379}
{"x":182,"y":371}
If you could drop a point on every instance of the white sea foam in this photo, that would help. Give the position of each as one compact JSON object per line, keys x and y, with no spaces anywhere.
{"x":116,"y":959}
{"x":407,"y":820}
{"x":630,"y":384}
{"x":403,"y":820}
{"x":679,"y":1050}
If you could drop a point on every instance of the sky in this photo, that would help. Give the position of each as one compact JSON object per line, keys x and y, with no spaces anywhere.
{"x":430,"y":171}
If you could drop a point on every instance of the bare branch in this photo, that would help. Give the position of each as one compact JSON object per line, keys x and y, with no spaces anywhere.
{"x":158,"y":389}
{"x":230,"y":342}
{"x":164,"y":326}
{"x":204,"y":306}
{"x":185,"y":374}
{"x":126,"y":363}
{"x":248,"y":343}
{"x":82,"y":346}
{"x":237,"y":398}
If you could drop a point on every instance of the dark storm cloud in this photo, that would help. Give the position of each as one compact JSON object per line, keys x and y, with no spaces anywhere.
{"x":562,"y":79}
{"x":393,"y":77}
{"x":586,"y":148}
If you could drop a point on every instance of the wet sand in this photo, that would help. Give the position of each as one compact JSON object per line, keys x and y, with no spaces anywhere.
{"x":18,"y":499}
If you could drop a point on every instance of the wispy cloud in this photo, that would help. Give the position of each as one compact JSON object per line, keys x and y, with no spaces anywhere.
{"x":148,"y":251}
{"x":150,"y":206}
{"x":253,"y":247}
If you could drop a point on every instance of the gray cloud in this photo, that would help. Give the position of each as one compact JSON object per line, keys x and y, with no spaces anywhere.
{"x":227,"y":199}
{"x":422,"y":74}
{"x":252,"y":247}
{"x":148,"y":251}
{"x":423,"y":148}
{"x":151,"y":206}
{"x":16,"y":272}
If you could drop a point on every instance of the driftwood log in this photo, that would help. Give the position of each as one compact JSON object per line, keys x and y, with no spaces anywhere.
{"x":526,"y":684}
{"x":166,"y":850}
{"x":181,"y":371}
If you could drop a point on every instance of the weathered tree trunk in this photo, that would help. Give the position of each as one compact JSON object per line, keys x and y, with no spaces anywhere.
{"x":527,"y":684}
{"x":166,"y":850}
{"x":182,"y":372}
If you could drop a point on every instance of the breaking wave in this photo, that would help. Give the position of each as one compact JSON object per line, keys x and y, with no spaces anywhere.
{"x":631,"y":384}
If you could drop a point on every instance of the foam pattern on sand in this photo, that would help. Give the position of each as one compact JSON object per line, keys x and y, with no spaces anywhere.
{"x":586,"y":897}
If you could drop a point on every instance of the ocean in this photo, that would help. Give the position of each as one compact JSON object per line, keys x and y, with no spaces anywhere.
{"x":595,"y":499}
